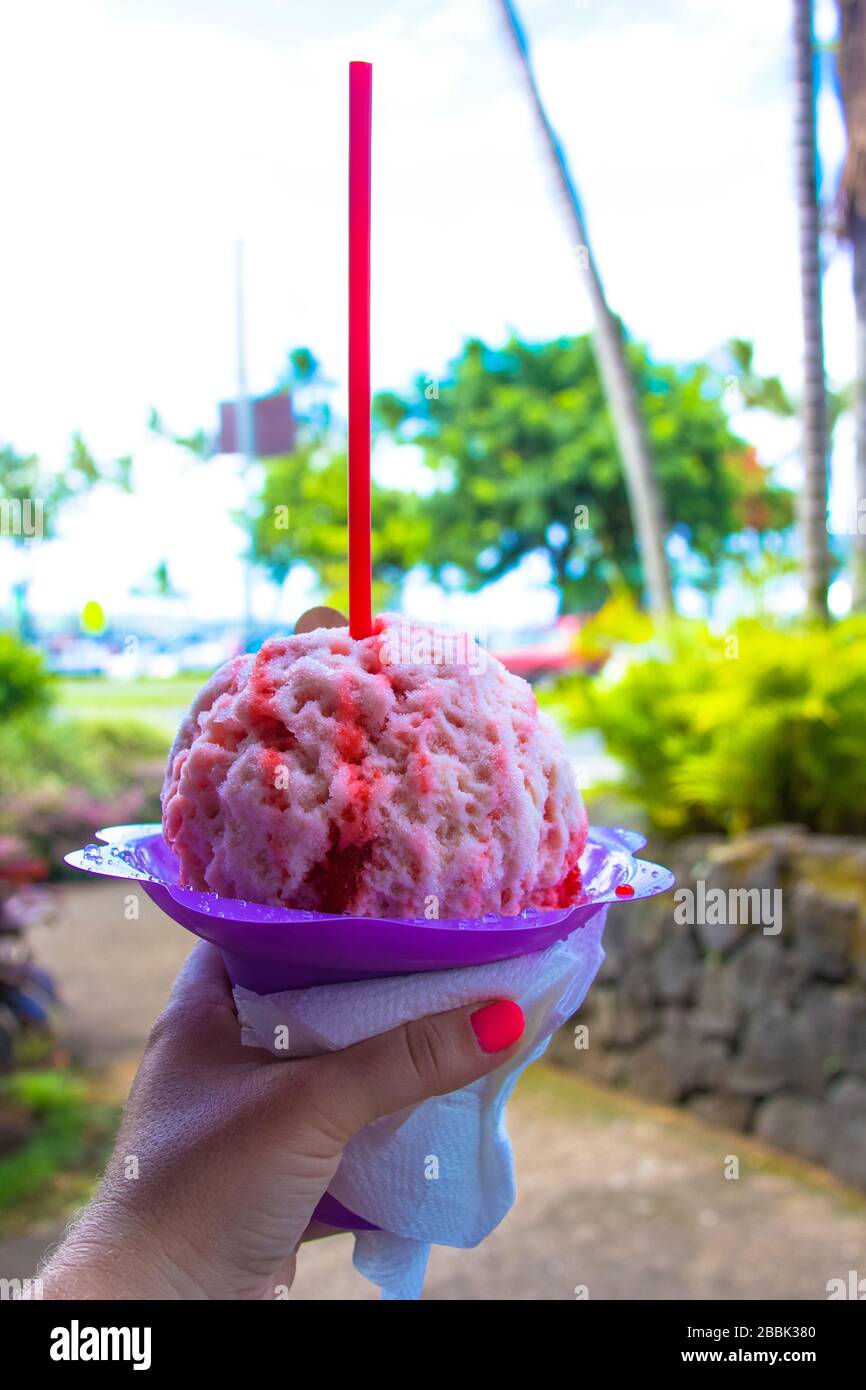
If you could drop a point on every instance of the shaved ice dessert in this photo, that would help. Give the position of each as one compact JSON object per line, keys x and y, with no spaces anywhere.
{"x":374,"y":777}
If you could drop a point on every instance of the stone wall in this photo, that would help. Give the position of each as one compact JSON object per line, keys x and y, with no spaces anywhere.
{"x":756,"y":1025}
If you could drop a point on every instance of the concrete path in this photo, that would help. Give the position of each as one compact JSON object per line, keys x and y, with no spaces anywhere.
{"x":617,"y":1197}
{"x":113,"y":973}
{"x":629,"y":1201}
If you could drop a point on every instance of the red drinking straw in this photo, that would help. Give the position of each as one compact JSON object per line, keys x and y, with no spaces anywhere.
{"x":360,"y":110}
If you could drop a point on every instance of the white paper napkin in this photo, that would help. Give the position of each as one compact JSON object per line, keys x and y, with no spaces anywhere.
{"x":442,"y":1172}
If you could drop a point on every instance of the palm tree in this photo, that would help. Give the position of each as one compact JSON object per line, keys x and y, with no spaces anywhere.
{"x":813,"y":515}
{"x":641,"y":482}
{"x":852,"y":73}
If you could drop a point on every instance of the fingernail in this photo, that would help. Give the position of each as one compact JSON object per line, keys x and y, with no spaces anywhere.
{"x":498,"y":1025}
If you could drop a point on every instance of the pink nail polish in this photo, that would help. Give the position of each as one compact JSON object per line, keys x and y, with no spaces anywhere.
{"x":498,"y":1025}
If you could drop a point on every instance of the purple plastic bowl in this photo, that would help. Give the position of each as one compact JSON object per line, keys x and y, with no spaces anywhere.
{"x":270,"y":949}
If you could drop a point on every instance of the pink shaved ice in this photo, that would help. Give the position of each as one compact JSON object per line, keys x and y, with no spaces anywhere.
{"x":374,"y":778}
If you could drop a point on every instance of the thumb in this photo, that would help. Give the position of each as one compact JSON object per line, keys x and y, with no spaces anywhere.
{"x":426,"y":1057}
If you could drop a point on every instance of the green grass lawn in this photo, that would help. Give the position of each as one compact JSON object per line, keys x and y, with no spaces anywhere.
{"x":154,"y":701}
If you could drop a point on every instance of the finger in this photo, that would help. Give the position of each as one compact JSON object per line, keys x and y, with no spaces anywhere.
{"x":199,"y":1018}
{"x":202,"y":978}
{"x":320,"y":617}
{"x":204,"y":972}
{"x":424,"y":1058}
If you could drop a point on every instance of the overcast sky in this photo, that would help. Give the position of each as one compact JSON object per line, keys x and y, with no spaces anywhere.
{"x":146,"y":136}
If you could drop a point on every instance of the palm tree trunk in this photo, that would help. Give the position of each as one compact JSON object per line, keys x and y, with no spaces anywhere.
{"x":852,"y":73}
{"x":813,"y":513}
{"x":858,"y":245}
{"x":641,"y":482}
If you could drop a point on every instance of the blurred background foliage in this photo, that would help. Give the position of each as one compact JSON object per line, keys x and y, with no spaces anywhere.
{"x":724,"y":733}
{"x":62,"y":777}
{"x":24,"y":678}
{"x":314,"y":477}
{"x":521,"y":439}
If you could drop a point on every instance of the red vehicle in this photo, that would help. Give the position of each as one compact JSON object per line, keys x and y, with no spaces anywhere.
{"x":554,"y":650}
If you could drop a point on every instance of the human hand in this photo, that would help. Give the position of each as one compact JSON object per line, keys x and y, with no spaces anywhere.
{"x":224,"y":1151}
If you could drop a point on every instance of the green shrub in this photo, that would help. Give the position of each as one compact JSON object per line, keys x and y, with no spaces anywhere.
{"x":25,"y":682}
{"x":98,"y":756}
{"x":61,"y":780}
{"x":763,"y":725}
